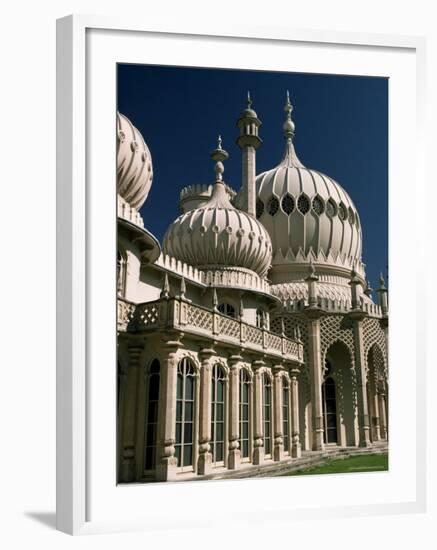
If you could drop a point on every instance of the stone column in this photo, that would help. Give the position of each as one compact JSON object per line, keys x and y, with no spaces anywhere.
{"x":258,"y":428}
{"x":295,"y":432}
{"x":383,"y":415}
{"x":278,"y":449}
{"x":204,"y":463}
{"x":234,"y":412}
{"x":166,"y":467}
{"x":363,"y":408}
{"x":315,"y":364}
{"x":129,"y":417}
{"x":376,"y":432}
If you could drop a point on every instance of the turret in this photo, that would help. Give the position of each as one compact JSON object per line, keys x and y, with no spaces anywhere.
{"x":382,"y":291}
{"x":249,"y":141}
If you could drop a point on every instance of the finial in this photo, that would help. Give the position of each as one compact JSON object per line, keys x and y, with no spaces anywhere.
{"x":214,"y":300}
{"x":219,"y":155}
{"x":381,"y":281}
{"x":249,"y":100}
{"x":288,"y":124}
{"x":312,"y":272}
{"x":165,"y":292}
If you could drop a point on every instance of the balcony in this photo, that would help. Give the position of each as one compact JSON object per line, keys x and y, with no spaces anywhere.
{"x":178,"y":314}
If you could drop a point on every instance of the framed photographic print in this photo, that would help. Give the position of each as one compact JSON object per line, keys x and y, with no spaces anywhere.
{"x":231,"y":215}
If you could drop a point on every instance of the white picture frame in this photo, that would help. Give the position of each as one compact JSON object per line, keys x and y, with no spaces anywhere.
{"x":76,"y":210}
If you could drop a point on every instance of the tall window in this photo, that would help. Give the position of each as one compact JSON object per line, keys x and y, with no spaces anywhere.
{"x":185,"y":411}
{"x":286,"y":413}
{"x":152,"y":416}
{"x":329,"y":407}
{"x":267,"y":414}
{"x":244,"y":405}
{"x":218,"y":414}
{"x":227,"y":309}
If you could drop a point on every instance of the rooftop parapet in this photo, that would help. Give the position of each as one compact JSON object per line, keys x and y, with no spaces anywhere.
{"x":195,"y":196}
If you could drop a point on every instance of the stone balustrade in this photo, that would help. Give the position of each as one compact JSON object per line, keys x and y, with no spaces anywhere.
{"x":179,"y":314}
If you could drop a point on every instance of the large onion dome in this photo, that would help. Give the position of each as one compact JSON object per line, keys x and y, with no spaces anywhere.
{"x":217,"y":235}
{"x":308,"y":216}
{"x":134,"y":163}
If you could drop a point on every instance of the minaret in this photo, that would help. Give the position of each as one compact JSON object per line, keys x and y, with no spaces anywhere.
{"x":249,"y":141}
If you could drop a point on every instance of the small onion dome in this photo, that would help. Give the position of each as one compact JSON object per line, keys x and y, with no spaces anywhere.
{"x":134,"y":163}
{"x":217,"y":235}
{"x":306,"y":213}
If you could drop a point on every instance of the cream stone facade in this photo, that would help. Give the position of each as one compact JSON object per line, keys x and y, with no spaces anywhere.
{"x":250,"y":337}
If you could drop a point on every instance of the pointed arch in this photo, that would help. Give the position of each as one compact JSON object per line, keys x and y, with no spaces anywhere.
{"x":339,"y":394}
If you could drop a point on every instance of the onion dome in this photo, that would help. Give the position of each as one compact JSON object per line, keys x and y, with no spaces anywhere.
{"x":217,"y":235}
{"x":308,"y":216}
{"x":134,"y":164}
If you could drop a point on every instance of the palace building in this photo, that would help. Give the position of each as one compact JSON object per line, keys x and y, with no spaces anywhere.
{"x":250,"y":337}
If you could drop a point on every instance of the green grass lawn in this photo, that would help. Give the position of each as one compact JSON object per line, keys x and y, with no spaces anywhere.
{"x":363,"y":463}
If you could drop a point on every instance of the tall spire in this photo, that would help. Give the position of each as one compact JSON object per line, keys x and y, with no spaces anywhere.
{"x":290,"y":157}
{"x":249,"y":141}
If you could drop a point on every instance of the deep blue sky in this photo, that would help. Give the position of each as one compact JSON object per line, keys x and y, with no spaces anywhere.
{"x":341,"y":130}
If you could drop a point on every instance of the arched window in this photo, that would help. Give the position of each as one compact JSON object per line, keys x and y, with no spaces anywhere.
{"x":286,"y":413}
{"x":218,"y":402}
{"x":152,"y":415}
{"x":185,"y":412}
{"x":329,"y":407}
{"x":267,"y":414}
{"x":227,"y":309}
{"x":244,"y":406}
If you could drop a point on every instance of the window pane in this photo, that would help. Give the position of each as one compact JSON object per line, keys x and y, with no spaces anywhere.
{"x":178,"y":454}
{"x":245,"y":430}
{"x":189,"y":387}
{"x":189,"y":410}
{"x":188,"y":432}
{"x":219,"y":411}
{"x":178,"y":432}
{"x":219,"y":452}
{"x":220,"y":390}
{"x":219,"y":432}
{"x":188,"y":455}
{"x":179,"y":387}
{"x":179,"y":410}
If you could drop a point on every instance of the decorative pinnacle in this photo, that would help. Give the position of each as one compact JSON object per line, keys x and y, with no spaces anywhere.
{"x":249,"y":100}
{"x":214,"y":300}
{"x":219,"y":155}
{"x":369,"y":289}
{"x":165,"y":292}
{"x":381,"y":282}
{"x":288,"y":124}
{"x":183,"y":288}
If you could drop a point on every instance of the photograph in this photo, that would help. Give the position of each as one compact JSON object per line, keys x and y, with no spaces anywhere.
{"x":252,"y":273}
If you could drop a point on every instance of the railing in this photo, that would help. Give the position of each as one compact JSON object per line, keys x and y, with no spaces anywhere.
{"x":177,"y":313}
{"x":333,"y":306}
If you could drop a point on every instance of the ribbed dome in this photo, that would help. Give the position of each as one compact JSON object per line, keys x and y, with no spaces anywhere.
{"x":305,"y":211}
{"x":134,"y":163}
{"x":219,"y":236}
{"x":308,"y":216}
